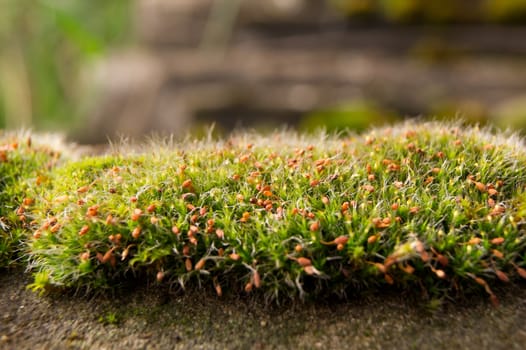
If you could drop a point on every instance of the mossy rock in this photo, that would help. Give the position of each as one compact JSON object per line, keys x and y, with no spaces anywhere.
{"x":432,"y":205}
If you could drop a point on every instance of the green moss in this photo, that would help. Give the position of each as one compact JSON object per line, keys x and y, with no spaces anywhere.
{"x":428,"y":205}
{"x":356,"y":116}
{"x":22,"y":164}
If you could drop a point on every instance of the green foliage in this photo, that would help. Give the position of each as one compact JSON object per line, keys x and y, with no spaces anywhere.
{"x":512,"y":114}
{"x":23,"y":163}
{"x":356,"y":116}
{"x":428,"y":205}
{"x":45,"y":44}
{"x":110,"y":318}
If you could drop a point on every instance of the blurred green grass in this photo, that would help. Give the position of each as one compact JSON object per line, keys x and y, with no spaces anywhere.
{"x":44,"y":45}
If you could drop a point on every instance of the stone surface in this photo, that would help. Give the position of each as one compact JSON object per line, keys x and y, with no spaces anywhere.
{"x":155,"y":318}
{"x":282,"y":59}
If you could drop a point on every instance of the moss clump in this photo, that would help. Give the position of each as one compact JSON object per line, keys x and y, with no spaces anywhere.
{"x":23,"y":163}
{"x":428,"y":205}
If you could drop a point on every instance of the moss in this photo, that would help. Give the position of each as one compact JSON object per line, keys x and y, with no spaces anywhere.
{"x":429,"y":205}
{"x":23,"y":164}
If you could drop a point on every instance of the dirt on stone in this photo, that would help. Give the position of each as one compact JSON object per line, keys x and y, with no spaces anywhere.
{"x":152,"y":317}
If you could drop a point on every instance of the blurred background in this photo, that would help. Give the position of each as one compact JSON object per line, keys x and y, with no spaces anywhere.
{"x":98,"y":69}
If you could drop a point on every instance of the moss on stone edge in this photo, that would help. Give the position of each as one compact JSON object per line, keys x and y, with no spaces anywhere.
{"x":429,"y":205}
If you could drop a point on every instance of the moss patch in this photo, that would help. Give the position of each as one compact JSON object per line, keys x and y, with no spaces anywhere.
{"x":24,"y":163}
{"x":428,"y":205}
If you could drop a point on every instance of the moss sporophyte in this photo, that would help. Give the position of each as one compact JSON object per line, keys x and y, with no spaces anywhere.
{"x":433,"y":206}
